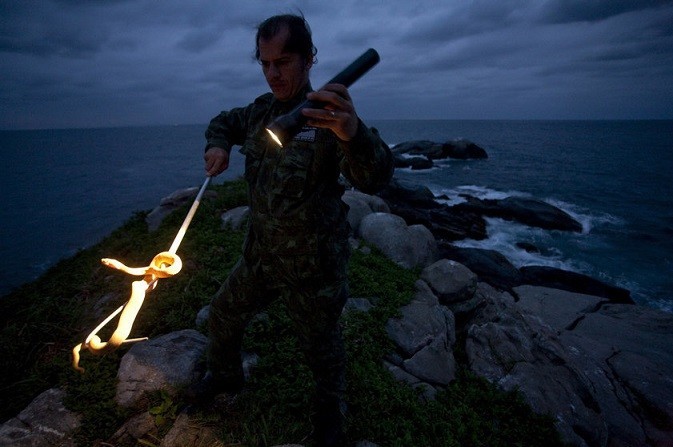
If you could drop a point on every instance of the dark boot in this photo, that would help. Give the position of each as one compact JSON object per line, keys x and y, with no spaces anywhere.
{"x":328,"y":423}
{"x":203,"y":392}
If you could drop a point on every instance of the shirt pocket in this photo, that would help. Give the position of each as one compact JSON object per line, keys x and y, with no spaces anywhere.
{"x":254,"y":154}
{"x":291,"y":177}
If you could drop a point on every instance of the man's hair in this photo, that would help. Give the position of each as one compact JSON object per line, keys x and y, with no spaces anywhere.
{"x":299,"y":40}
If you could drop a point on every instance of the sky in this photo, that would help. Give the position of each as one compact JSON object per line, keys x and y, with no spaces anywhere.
{"x":110,"y":63}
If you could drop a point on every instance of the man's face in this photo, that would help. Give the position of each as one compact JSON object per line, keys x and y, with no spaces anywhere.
{"x":286,"y":73}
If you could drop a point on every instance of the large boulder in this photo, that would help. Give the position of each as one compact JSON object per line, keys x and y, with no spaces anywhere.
{"x":170,"y":203}
{"x":424,"y":334}
{"x":162,"y":363}
{"x":417,"y":206}
{"x":235,"y":218}
{"x":45,"y":422}
{"x":459,"y":149}
{"x":539,"y":275}
{"x":408,"y":246}
{"x":415,"y":163}
{"x":628,"y":355}
{"x":450,"y":281}
{"x":559,"y":309}
{"x":525,"y":210}
{"x":463,"y":149}
{"x":518,"y":351}
{"x":602,"y":370}
{"x":400,"y":191}
{"x":361,"y":205}
{"x":490,"y":266}
{"x":189,"y":431}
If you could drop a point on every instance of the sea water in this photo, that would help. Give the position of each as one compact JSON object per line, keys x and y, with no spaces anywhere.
{"x":64,"y":190}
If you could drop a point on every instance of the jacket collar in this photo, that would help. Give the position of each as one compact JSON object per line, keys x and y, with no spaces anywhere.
{"x":286,"y":106}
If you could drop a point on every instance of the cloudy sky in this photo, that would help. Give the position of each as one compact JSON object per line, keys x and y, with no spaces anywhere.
{"x":97,"y":63}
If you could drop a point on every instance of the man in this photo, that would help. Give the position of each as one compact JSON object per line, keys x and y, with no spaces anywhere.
{"x":296,"y":247}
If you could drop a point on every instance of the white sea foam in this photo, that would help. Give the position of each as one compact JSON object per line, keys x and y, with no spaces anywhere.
{"x":504,"y":235}
{"x":453,"y":196}
{"x":588,"y":219}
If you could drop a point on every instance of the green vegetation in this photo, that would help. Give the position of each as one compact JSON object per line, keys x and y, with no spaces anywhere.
{"x":42,"y":321}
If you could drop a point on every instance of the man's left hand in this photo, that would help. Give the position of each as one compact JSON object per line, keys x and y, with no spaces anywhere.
{"x":339,"y":113}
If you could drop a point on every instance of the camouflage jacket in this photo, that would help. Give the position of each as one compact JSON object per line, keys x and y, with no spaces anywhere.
{"x":294,"y":190}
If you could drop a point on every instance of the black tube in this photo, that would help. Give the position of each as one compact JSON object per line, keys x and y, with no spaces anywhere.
{"x":285,"y":127}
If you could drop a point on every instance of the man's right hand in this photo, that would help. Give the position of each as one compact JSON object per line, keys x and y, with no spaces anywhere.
{"x":217,"y":161}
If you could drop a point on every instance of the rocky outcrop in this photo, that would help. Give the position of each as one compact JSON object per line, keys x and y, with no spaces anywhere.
{"x":421,"y":153}
{"x":409,"y":246}
{"x":591,"y":365}
{"x":491,"y":266}
{"x":601,"y":369}
{"x":573,"y":282}
{"x":417,"y":206}
{"x":424,"y":334}
{"x":525,"y":210}
{"x":571,"y":355}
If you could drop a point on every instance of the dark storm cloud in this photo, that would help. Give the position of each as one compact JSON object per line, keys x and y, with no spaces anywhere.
{"x":40,"y":29}
{"x":567,"y":11}
{"x":135,"y":62}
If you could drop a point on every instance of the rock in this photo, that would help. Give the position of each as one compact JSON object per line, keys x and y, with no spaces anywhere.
{"x":626,"y":352}
{"x":573,"y":282}
{"x":408,"y":193}
{"x":162,"y":363}
{"x":518,"y":351}
{"x":463,"y":150}
{"x":170,"y":203}
{"x":632,"y":346}
{"x":450,"y":281}
{"x":424,"y":334}
{"x":415,"y":163}
{"x":417,"y":206}
{"x":416,"y":147}
{"x":460,"y":149}
{"x":528,"y":211}
{"x":45,"y":422}
{"x":361,"y":205}
{"x":408,"y":246}
{"x":366,"y":444}
{"x":528,"y":247}
{"x":603,"y":370}
{"x":137,"y":427}
{"x":235,"y":218}
{"x":202,"y":317}
{"x":357,"y":305}
{"x":559,"y":309}
{"x":442,"y":221}
{"x":490,"y":266}
{"x":434,"y":363}
{"x":188,"y":432}
{"x":427,"y":391}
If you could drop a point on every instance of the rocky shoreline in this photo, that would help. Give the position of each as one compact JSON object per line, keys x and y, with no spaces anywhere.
{"x":574,"y":347}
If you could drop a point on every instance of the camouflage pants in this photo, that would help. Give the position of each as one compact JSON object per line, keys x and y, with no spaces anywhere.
{"x":314,"y":292}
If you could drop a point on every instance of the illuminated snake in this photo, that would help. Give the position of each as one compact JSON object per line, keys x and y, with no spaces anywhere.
{"x":164,"y":265}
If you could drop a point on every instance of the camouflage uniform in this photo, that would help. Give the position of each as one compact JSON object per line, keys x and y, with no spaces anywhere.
{"x":296,"y":247}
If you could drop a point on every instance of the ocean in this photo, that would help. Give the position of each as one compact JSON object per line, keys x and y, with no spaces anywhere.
{"x":64,"y":190}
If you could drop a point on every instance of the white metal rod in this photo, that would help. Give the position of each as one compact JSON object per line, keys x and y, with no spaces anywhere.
{"x":188,"y":219}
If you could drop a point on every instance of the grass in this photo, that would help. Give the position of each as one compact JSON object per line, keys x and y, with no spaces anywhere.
{"x":41,"y":321}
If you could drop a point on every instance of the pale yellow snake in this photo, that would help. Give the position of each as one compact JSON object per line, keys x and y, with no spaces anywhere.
{"x":163,"y":265}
